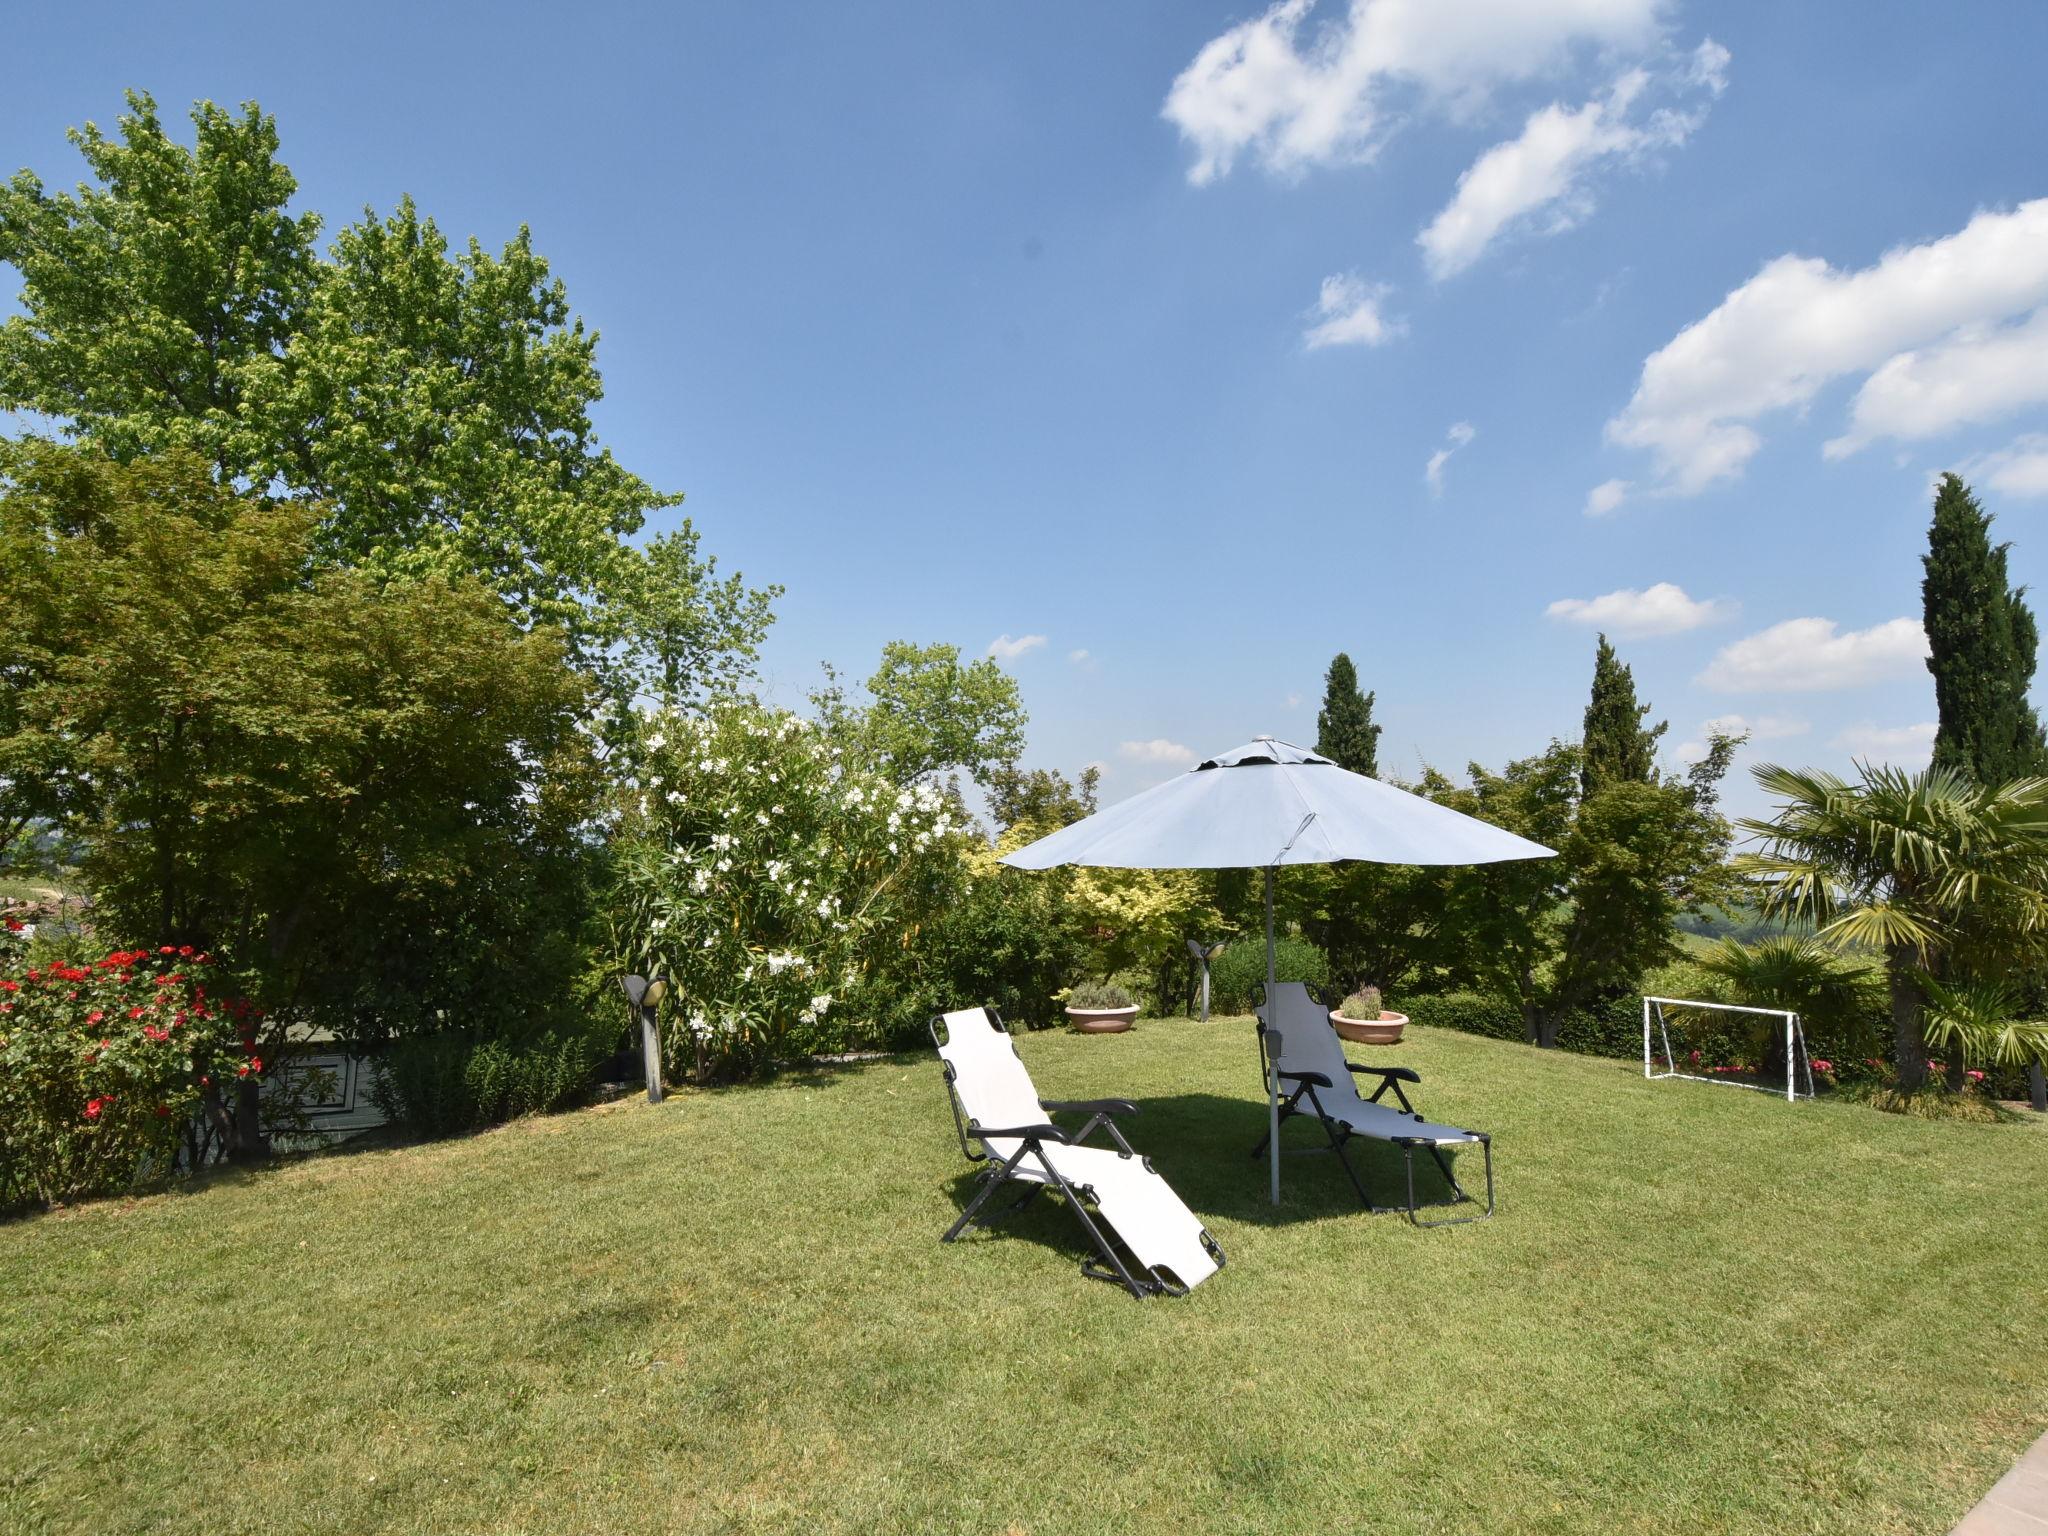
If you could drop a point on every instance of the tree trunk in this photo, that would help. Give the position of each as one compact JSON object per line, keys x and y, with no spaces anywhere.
{"x":250,"y":1144}
{"x":1909,"y":1014}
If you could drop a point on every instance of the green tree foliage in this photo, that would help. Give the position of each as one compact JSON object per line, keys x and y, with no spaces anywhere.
{"x":927,"y":713}
{"x":1031,"y":802}
{"x":435,"y":409}
{"x":1982,"y":641}
{"x":1945,"y":877}
{"x":370,"y":796}
{"x":1615,"y":746}
{"x":1556,"y":935}
{"x":156,"y":300}
{"x":1345,"y":732}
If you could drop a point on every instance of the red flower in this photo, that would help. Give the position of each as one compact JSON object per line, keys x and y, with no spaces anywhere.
{"x":152,"y":1032}
{"x":95,"y":1016}
{"x":163,"y":1111}
{"x":167,"y":950}
{"x":134,"y":1013}
{"x":93,"y":1108}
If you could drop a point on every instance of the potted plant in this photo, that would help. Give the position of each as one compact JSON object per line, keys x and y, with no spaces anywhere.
{"x":1100,"y":1008}
{"x":1360,"y":1017}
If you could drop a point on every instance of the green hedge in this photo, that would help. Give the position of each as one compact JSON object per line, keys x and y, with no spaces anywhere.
{"x":1236,"y":975}
{"x":442,"y":1085}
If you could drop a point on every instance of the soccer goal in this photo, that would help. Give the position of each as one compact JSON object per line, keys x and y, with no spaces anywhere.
{"x":1726,"y":1043}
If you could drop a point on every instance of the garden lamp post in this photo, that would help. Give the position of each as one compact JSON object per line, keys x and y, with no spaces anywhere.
{"x":645,"y":994}
{"x":1205,"y":953}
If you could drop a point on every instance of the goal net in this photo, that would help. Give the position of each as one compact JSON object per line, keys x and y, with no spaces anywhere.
{"x":1760,"y":1048}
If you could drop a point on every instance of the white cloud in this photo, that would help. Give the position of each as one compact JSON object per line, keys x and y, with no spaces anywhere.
{"x":1540,"y":180}
{"x":1292,"y":701}
{"x":1461,"y":433}
{"x":1007,"y":648}
{"x":1605,"y":497}
{"x":1295,"y":95}
{"x":1078,"y":655}
{"x":1663,"y":609}
{"x":2018,"y":469}
{"x":1799,"y":323}
{"x":1347,"y":313}
{"x":1814,"y":655}
{"x":1157,"y":750}
{"x":1979,"y":374}
{"x":1903,"y":746}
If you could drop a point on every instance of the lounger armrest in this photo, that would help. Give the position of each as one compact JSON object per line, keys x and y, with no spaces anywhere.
{"x":1400,"y":1074}
{"x":982,"y":1133}
{"x":1089,"y":1106}
{"x":1306,"y":1077}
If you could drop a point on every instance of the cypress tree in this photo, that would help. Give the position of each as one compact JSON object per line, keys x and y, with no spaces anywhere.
{"x":1345,"y":733}
{"x":1616,"y":747}
{"x":1982,"y":641}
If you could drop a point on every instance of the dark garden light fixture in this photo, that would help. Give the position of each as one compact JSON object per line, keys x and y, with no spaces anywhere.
{"x":645,"y":994}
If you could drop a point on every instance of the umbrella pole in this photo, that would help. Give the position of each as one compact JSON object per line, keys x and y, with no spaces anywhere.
{"x":1272,"y":1064}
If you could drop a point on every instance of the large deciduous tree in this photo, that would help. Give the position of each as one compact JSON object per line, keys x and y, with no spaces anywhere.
{"x":434,"y":408}
{"x":1557,"y":934}
{"x":1345,"y":732}
{"x":1982,"y":642}
{"x":371,"y":796}
{"x":928,"y":713}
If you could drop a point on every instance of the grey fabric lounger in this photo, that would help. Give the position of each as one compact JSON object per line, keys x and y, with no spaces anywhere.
{"x":1317,"y":1079}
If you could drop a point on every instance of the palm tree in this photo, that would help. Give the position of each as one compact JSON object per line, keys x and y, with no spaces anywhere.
{"x":1833,"y":992}
{"x":1925,"y":868}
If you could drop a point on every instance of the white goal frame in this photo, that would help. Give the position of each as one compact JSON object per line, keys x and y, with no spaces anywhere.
{"x":1795,"y":1046}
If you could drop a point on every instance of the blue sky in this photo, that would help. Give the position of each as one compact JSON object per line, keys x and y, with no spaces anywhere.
{"x":1136,"y":327}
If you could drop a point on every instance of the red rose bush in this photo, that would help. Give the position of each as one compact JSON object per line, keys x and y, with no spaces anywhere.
{"x":104,"y":1065}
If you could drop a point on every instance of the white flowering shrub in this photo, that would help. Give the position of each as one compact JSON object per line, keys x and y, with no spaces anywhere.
{"x":780,"y":887}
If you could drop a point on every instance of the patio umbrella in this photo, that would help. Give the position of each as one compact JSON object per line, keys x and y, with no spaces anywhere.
{"x":1264,"y":805}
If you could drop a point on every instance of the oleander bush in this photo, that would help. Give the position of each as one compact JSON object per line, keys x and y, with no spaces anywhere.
{"x":783,"y":886}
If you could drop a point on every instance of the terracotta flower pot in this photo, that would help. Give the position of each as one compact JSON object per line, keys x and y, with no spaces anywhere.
{"x":1102,"y":1021}
{"x":1385,"y":1030}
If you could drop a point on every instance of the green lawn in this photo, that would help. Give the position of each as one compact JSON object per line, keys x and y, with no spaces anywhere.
{"x":1698,"y":1310}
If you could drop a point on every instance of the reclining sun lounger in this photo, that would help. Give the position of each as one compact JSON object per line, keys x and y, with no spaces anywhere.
{"x":1163,"y":1245}
{"x":1296,"y":1041}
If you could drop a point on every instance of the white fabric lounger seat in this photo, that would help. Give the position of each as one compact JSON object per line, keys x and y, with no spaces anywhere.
{"x":996,"y":1106}
{"x":1316,"y":1079}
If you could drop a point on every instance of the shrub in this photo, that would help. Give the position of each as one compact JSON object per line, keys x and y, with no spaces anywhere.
{"x":1236,"y":975}
{"x":103,"y":1066}
{"x":1365,"y":1003}
{"x":442,"y":1085}
{"x":1010,"y":939}
{"x":1098,"y":995}
{"x":781,"y":886}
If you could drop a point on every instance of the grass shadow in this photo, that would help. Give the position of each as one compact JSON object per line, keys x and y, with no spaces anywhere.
{"x":1201,"y":1144}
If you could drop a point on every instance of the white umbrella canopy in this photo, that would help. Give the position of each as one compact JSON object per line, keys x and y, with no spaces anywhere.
{"x":1263,"y":805}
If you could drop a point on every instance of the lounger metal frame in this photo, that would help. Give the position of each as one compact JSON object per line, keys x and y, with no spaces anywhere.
{"x":1339,"y":1133}
{"x":1113,"y":1266}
